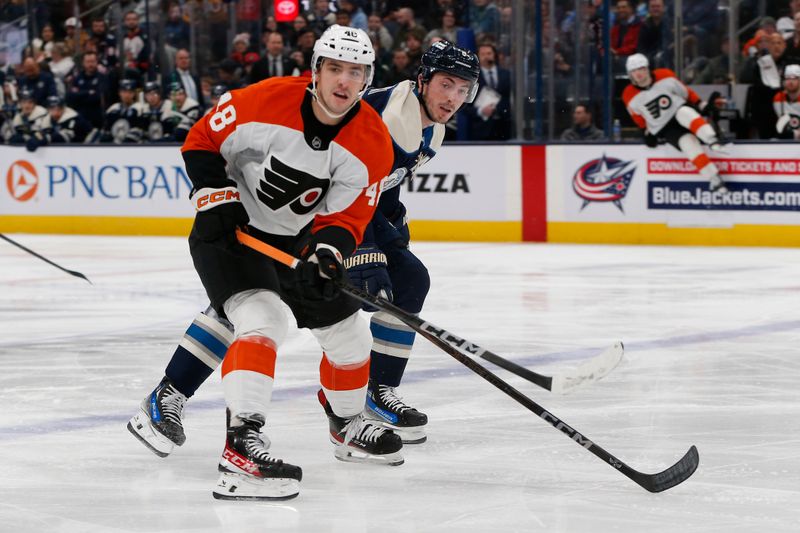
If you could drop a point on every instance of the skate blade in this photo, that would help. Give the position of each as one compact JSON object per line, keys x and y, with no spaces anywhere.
{"x":232,"y":486}
{"x":141,"y":428}
{"x":350,"y":455}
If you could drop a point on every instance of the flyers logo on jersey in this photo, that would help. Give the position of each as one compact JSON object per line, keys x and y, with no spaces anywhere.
{"x":283,"y":185}
{"x":658,"y":103}
{"x":22,"y":180}
{"x":208,"y":198}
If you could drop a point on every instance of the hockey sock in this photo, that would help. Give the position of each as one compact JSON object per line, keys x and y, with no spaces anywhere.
{"x":345,"y":386}
{"x":248,"y":375}
{"x":391,"y":347}
{"x":199,"y":353}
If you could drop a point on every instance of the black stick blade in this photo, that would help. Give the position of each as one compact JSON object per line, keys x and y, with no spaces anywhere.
{"x":674,"y":475}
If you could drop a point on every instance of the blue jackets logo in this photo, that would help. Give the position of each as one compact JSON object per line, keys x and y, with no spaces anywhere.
{"x":606,"y":179}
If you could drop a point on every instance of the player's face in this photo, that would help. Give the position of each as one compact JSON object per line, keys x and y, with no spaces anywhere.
{"x":791,"y":85}
{"x":640,"y":76}
{"x":152,"y":98}
{"x":26,"y":106}
{"x":444,"y":94}
{"x":338,"y":84}
{"x":126,"y":96}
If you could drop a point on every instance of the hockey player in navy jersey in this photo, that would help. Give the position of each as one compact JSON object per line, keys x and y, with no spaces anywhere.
{"x":415,"y":114}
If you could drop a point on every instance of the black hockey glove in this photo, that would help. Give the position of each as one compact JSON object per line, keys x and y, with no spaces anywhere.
{"x":650,"y":140}
{"x":367,"y":270}
{"x":219,"y":213}
{"x":318,"y":277}
{"x":391,"y":232}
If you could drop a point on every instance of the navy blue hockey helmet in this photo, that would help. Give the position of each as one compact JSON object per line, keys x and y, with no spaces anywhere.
{"x":26,"y":94}
{"x":127,"y":85}
{"x":152,"y":86}
{"x":55,"y":101}
{"x":444,"y":56}
{"x":176,"y":87}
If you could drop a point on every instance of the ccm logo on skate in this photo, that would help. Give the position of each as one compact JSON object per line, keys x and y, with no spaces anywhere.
{"x":239,"y":461}
{"x":22,"y":181}
{"x":206,"y":198}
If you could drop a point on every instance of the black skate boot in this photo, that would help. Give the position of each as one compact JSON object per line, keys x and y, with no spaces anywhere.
{"x":248,"y":472}
{"x":159,"y":422}
{"x":358,"y":440}
{"x":384,"y":404}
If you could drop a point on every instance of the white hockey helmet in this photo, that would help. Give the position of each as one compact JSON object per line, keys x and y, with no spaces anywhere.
{"x":636,"y":61}
{"x":345,"y":44}
{"x":791,"y":71}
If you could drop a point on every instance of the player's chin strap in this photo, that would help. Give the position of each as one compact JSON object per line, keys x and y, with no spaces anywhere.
{"x":322,"y":105}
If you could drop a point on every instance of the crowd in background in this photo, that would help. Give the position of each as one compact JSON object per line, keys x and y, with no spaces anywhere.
{"x":109,"y":76}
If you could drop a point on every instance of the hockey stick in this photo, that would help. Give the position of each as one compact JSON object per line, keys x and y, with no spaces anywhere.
{"x":563,"y":383}
{"x":46,"y":260}
{"x":674,"y":475}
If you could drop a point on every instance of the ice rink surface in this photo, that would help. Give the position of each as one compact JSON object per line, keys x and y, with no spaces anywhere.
{"x":711,"y":338}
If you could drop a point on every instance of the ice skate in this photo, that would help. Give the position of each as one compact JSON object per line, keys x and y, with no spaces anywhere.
{"x":716,"y":184}
{"x":385,"y":405}
{"x":249,"y":472}
{"x":359,"y":440}
{"x":159,"y":422}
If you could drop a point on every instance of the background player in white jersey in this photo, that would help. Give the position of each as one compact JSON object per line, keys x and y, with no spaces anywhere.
{"x":665,"y":108}
{"x":300,"y":165}
{"x":416,"y":114}
{"x":787,"y":104}
{"x":415,"y":119}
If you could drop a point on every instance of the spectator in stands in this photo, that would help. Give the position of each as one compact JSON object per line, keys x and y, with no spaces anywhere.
{"x":342,"y":17}
{"x":61,"y":125}
{"x":227,"y":74}
{"x":786,"y":104}
{"x":792,"y":8}
{"x":75,"y":37}
{"x":624,"y":34}
{"x":358,"y":19}
{"x":717,"y":68}
{"x":583,"y":129}
{"x":407,"y":24}
{"x":321,"y":16}
{"x":655,"y":36}
{"x":28,"y":119}
{"x":305,"y":46}
{"x":216,"y":12}
{"x":793,"y":43}
{"x":241,"y":45}
{"x":41,"y":47}
{"x":764,"y":73}
{"x":183,"y":75}
{"x":375,"y":27}
{"x":414,"y":49}
{"x":436,"y":9}
{"x":134,"y":49}
{"x":299,"y":24}
{"x":40,"y":83}
{"x":489,"y":116}
{"x":61,"y":65}
{"x":383,"y":60}
{"x":176,"y":30}
{"x":106,"y":43}
{"x":275,"y":62}
{"x":399,"y":70}
{"x":484,"y":19}
{"x":760,"y":41}
{"x":88,"y":93}
{"x":447,"y":29}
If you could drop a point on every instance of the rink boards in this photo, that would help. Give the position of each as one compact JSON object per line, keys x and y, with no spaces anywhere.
{"x":558,"y":193}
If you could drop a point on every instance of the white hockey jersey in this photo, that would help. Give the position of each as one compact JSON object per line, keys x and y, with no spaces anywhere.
{"x":787,"y":109}
{"x":654,"y":107}
{"x":289,"y":168}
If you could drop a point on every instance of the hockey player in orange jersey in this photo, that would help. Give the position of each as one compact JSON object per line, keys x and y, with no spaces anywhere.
{"x":662,"y":106}
{"x":300,"y":163}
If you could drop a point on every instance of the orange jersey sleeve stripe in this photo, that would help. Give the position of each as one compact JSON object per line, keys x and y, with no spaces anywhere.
{"x":256,"y":354}
{"x":343,"y":378}
{"x":628,"y":94}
